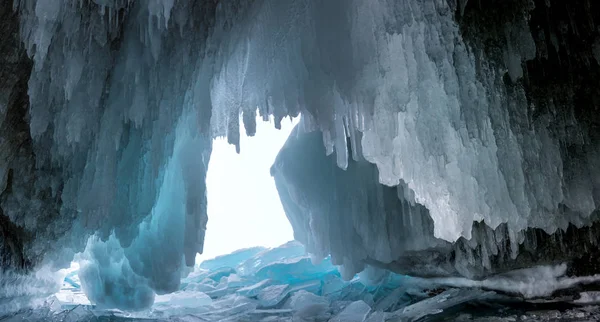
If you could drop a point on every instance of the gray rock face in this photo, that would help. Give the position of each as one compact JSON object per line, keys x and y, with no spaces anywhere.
{"x":15,"y":142}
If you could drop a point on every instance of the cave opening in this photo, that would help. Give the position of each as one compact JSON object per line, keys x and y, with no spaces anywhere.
{"x":460,"y":139}
{"x":256,"y":220}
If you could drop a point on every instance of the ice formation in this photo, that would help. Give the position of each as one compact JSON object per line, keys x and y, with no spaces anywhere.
{"x":322,"y":296}
{"x":231,"y":260}
{"x":464,"y":137}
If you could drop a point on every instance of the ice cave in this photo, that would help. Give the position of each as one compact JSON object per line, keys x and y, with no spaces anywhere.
{"x":420,"y":160}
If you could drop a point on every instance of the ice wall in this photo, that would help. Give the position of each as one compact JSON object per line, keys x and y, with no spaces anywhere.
{"x":127,"y":276}
{"x":404,"y":85}
{"x":359,"y":222}
{"x":107,"y":117}
{"x":432,"y":112}
{"x":348,"y":213}
{"x":106,"y":114}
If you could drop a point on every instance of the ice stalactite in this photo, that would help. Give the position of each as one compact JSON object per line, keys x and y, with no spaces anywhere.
{"x":360,"y":222}
{"x":105,"y":104}
{"x":399,"y":82}
{"x":155,"y":260}
{"x":347,"y":213}
{"x":404,"y":90}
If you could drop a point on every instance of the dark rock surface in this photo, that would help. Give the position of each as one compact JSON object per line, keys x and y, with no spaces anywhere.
{"x":15,"y":141}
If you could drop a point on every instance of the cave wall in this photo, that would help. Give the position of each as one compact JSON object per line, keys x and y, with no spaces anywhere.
{"x":78,"y":153}
{"x":538,"y":61}
{"x":348,"y":214}
{"x":15,"y":141}
{"x":560,"y":75}
{"x":477,"y":111}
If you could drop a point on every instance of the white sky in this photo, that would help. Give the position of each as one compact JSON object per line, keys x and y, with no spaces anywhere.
{"x":243,"y":205}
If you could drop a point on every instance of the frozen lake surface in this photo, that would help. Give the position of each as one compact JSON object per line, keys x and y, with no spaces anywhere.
{"x":283,"y":284}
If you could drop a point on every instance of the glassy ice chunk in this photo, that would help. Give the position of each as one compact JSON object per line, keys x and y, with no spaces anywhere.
{"x":333,"y":284}
{"x":199,"y":287}
{"x":272,"y":295}
{"x":224,"y":272}
{"x":354,"y":312}
{"x":313,"y":286}
{"x":181,"y":299}
{"x":391,"y":299}
{"x":79,"y":313}
{"x":295,"y":270}
{"x":254,"y":290}
{"x":231,"y":260}
{"x":292,"y":249}
{"x":235,"y":281}
{"x":271,"y":315}
{"x":376,"y":317}
{"x":438,"y":303}
{"x":230,"y":308}
{"x":308,"y":305}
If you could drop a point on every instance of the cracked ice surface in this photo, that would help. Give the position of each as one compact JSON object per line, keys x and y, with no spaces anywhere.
{"x":282,"y":290}
{"x":285,"y":287}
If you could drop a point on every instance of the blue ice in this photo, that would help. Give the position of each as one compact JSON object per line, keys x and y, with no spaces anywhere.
{"x":279,"y":284}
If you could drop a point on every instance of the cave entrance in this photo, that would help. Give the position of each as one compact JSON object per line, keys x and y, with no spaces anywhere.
{"x":244,"y":209}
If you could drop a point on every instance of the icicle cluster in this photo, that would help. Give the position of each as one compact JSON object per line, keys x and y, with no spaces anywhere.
{"x":398,"y":82}
{"x":122,"y":90}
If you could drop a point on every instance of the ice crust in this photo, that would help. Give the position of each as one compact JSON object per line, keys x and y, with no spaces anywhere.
{"x":125,"y":97}
{"x":322,"y":296}
{"x":301,"y":297}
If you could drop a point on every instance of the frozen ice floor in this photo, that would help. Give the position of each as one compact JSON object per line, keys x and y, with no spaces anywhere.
{"x":283,"y":284}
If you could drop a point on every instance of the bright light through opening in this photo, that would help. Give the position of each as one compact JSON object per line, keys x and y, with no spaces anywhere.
{"x":244,"y":209}
{"x":243,"y":204}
